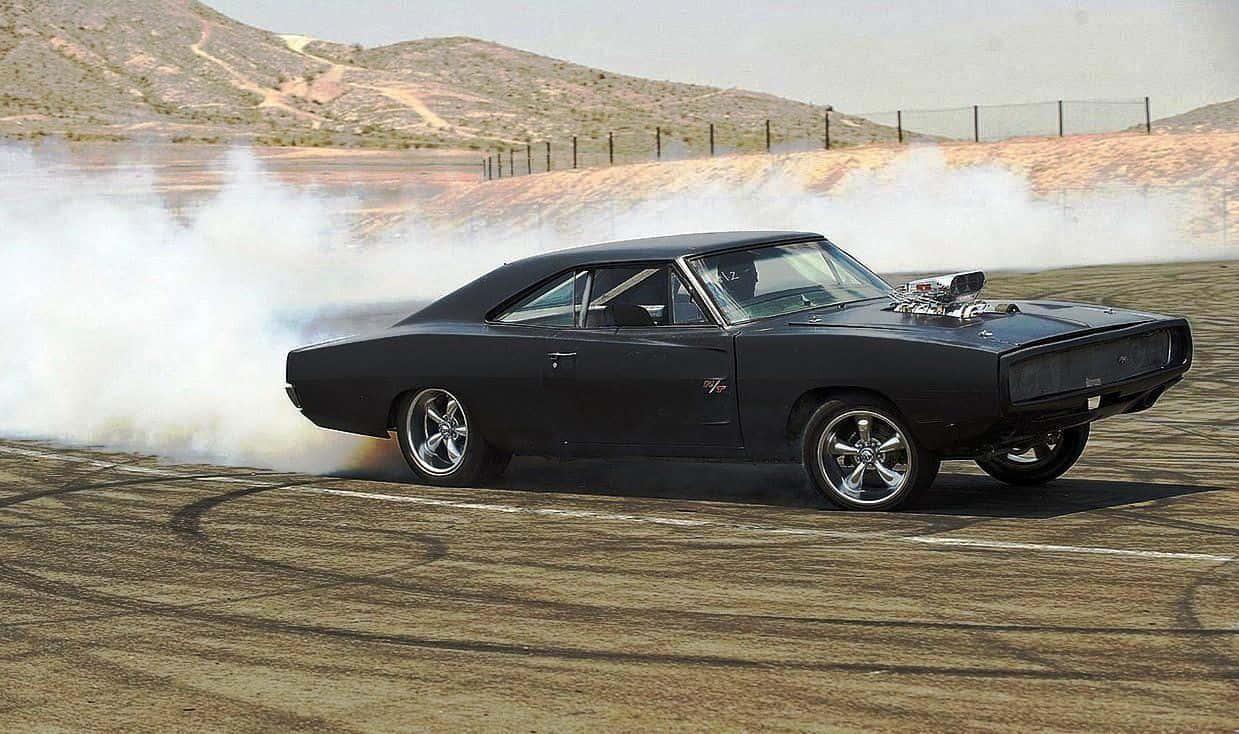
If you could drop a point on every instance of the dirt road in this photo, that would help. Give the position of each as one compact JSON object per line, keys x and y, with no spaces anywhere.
{"x":139,"y":595}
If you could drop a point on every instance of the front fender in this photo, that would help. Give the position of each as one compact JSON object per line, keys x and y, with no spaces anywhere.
{"x":936,"y":387}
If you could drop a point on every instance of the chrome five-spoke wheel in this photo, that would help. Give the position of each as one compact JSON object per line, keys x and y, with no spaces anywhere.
{"x":865,"y":456}
{"x":442,"y":439}
{"x":438,"y":431}
{"x":860,"y":455}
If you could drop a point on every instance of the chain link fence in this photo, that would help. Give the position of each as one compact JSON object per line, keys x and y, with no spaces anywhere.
{"x":978,"y":123}
{"x":989,"y":123}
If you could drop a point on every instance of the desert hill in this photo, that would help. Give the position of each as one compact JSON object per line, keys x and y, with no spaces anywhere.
{"x":178,"y":70}
{"x":1219,"y":117}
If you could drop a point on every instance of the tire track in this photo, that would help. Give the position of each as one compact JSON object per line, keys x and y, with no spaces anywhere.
{"x":1219,"y":658}
{"x":187,"y":521}
{"x":55,"y":588}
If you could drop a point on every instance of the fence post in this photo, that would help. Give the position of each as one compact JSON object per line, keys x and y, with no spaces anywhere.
{"x":899,"y":123}
{"x":1148,"y":120}
{"x":574,"y":152}
{"x":976,"y":123}
{"x":658,"y":143}
{"x":611,"y":147}
{"x":499,"y":164}
{"x":826,"y":118}
{"x":1060,"y":118}
{"x":711,"y":140}
{"x":548,"y":155}
{"x":511,"y":162}
{"x":767,"y":136}
{"x":528,"y":159}
{"x":483,"y":169}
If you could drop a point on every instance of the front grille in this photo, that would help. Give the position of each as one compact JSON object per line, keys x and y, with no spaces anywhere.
{"x":1090,"y":365}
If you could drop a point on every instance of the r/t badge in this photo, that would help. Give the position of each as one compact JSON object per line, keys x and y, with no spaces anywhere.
{"x":714,"y":385}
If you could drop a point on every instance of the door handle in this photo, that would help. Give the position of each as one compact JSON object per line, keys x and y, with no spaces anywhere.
{"x":556,"y":356}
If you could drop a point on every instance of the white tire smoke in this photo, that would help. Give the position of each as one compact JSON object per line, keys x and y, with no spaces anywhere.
{"x":136,"y":327}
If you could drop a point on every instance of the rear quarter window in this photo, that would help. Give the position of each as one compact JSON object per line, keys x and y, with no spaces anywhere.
{"x":556,"y":304}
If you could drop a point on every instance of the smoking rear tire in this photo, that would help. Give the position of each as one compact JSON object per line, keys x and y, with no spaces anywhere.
{"x":1038,"y":462}
{"x":439,"y":441}
{"x":860,"y":455}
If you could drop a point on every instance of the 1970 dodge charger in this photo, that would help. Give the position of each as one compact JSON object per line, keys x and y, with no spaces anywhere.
{"x":758,"y":346}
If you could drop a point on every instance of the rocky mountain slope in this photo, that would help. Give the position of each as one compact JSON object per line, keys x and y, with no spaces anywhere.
{"x":1219,"y":117}
{"x":178,"y":70}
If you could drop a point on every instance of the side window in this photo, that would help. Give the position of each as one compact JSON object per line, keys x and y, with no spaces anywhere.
{"x":558,"y":304}
{"x":684,"y":306}
{"x":629,"y":296}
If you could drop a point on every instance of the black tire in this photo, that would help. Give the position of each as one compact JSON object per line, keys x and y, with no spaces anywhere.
{"x":826,"y":469}
{"x":498,"y":464}
{"x":475,"y":461}
{"x":931,"y":475}
{"x":1049,"y":460}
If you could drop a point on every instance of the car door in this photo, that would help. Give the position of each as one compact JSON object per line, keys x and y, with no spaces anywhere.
{"x":532,"y":405}
{"x":647,"y":371}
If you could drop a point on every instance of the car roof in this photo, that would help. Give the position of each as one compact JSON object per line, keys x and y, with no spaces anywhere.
{"x":668,"y":247}
{"x":473,"y":301}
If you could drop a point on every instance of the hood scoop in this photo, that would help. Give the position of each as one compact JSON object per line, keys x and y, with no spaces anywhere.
{"x":955,"y":295}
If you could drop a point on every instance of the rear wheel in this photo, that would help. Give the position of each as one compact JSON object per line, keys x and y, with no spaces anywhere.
{"x":861,"y":456}
{"x":438,"y":441}
{"x":1039,"y":461}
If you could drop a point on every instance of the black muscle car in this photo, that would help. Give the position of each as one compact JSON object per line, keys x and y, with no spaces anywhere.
{"x":758,"y":346}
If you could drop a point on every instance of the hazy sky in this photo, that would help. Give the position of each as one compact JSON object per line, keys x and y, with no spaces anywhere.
{"x":859,"y":56}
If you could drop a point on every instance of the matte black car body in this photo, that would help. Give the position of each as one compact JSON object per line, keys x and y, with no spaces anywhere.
{"x":646,"y":390}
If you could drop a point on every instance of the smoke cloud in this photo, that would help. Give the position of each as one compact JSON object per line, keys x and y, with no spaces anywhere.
{"x":918,"y":214}
{"x":137,"y":326}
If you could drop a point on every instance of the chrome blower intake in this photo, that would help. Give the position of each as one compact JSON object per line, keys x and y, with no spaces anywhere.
{"x":954,"y":295}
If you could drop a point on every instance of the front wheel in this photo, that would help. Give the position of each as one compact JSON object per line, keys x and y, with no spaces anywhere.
{"x":1040,"y":461}
{"x":860,"y":456}
{"x":439,"y":442}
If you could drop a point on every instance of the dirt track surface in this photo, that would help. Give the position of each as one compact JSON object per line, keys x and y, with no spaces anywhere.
{"x":140,"y":595}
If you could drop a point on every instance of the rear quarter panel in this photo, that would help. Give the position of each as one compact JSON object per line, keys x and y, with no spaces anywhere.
{"x":349,"y":385}
{"x":352,"y":385}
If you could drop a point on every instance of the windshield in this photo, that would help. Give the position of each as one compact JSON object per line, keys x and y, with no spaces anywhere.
{"x":777,"y":279}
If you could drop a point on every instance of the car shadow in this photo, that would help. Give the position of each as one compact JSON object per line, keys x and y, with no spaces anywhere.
{"x":785,"y":485}
{"x":977,"y":495}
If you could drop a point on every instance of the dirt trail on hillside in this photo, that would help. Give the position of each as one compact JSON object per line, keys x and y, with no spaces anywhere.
{"x":270,"y":97}
{"x":399,"y":95}
{"x":402,"y":95}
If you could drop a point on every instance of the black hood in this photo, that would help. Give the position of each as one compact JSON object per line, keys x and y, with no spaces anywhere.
{"x":1035,"y":321}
